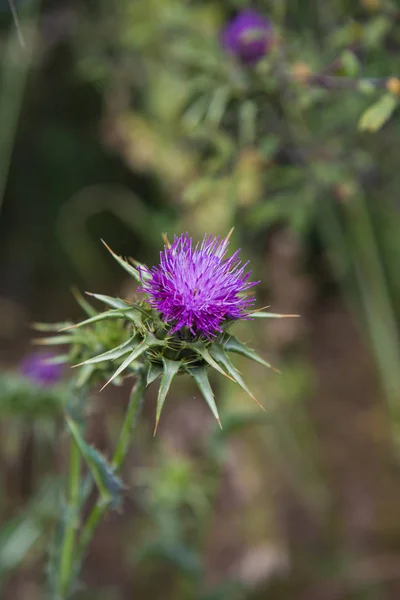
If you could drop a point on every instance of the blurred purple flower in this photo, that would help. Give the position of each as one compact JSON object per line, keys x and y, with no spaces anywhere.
{"x":37,"y":368}
{"x":195,"y":287}
{"x":249,"y":36}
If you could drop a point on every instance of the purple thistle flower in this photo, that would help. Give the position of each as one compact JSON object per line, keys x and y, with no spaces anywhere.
{"x":37,"y":368}
{"x":195,"y":287}
{"x":249,"y":36}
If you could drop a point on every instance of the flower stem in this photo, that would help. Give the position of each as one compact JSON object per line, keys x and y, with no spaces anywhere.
{"x":68,"y":544}
{"x":99,"y":509}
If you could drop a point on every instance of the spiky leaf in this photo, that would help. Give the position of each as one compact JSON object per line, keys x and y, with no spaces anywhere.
{"x":200,"y":376}
{"x":128,"y":268}
{"x":149,"y":341}
{"x":201,"y":349}
{"x":52,"y":326}
{"x":111,"y":301}
{"x":171,"y":368}
{"x":218,"y":353}
{"x":57,"y":340}
{"x":153,"y":372}
{"x":109,"y":314}
{"x":111,"y":354}
{"x":232,"y":344}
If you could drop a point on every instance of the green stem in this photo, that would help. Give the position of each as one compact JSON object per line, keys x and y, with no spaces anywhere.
{"x":68,"y":545}
{"x":100,"y":508}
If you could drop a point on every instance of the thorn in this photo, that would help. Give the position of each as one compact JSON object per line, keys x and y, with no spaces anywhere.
{"x":258,"y":403}
{"x":229,"y":235}
{"x":260,"y":309}
{"x":229,"y":377}
{"x":106,"y":384}
{"x":219,"y":423}
{"x":107,"y":246}
{"x":155,"y":427}
{"x":166,"y":240}
{"x":67,"y":328}
{"x":79,"y":364}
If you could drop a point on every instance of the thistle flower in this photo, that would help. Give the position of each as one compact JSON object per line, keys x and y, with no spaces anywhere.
{"x":39,"y":370}
{"x":196,"y":287}
{"x":181,"y":326}
{"x":249,"y":36}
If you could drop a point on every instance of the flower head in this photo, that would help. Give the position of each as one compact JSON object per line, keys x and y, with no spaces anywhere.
{"x":249,"y":36}
{"x":39,"y":370}
{"x":196,"y":287}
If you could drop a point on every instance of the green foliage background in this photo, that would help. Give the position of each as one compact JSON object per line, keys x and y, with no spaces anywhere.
{"x":124,"y":120}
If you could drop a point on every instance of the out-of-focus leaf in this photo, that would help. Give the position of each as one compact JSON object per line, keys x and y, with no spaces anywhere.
{"x":17,"y":537}
{"x":375,"y":117}
{"x":109,"y":484}
{"x":19,"y":396}
{"x":83,"y":303}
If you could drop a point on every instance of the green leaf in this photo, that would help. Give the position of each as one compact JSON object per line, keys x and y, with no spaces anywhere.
{"x":218,"y":353}
{"x":109,"y":314}
{"x":218,"y":104}
{"x":55,"y":340}
{"x":200,"y":376}
{"x":129,"y":311}
{"x":84,"y":375}
{"x":111,"y":301}
{"x":17,"y":537}
{"x":171,"y":368}
{"x":60,"y":359}
{"x":247,"y":122}
{"x":200,"y":348}
{"x":109,"y":484}
{"x":232,"y":344}
{"x":128,"y":268}
{"x":149,"y":341}
{"x":153,"y":372}
{"x":350,"y":64}
{"x":110,"y":354}
{"x":378,"y":114}
{"x":52,"y":326}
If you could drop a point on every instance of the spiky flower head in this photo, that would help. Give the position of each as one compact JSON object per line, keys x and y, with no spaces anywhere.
{"x":179,"y":325}
{"x":195,"y":287}
{"x":40,"y":370}
{"x":249,"y":36}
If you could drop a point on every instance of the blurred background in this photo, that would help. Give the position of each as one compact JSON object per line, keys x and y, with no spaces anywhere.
{"x":124,"y":120}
